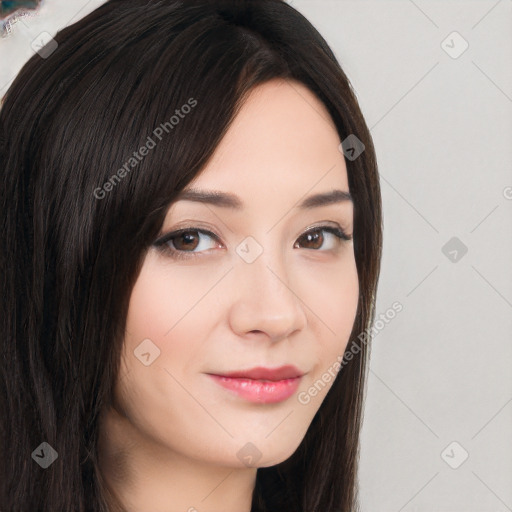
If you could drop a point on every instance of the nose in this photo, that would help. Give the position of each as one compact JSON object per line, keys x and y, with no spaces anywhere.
{"x":264,"y":301}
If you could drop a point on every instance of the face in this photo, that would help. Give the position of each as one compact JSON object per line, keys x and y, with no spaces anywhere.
{"x":263,"y":283}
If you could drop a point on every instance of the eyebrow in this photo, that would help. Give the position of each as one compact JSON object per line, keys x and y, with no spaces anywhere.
{"x":227,"y":200}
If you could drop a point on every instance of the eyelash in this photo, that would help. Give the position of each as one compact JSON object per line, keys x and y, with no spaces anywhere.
{"x":162,"y":244}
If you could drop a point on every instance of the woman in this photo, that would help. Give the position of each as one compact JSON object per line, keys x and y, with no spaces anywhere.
{"x":191,"y":244}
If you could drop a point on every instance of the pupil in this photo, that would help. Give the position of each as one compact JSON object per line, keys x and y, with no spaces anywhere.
{"x":314,"y":238}
{"x":187,"y":239}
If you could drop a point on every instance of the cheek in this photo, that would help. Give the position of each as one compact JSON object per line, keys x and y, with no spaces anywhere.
{"x":166,"y":326}
{"x":333,"y":306}
{"x":168,"y":302}
{"x":163,"y":298}
{"x":166,"y":308}
{"x":152,"y":339}
{"x":332,"y":299}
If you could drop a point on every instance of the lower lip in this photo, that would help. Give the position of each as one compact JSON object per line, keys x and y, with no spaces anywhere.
{"x":263,"y":392}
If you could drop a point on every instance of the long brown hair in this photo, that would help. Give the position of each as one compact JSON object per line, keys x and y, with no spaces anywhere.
{"x":71,"y":248}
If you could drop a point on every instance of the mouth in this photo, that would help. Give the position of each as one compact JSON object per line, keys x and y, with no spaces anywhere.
{"x":261,"y":385}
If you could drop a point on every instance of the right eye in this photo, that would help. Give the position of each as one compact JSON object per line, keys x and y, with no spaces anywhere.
{"x":188,"y":240}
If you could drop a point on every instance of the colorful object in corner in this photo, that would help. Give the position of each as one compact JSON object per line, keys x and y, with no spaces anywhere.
{"x":7,"y":8}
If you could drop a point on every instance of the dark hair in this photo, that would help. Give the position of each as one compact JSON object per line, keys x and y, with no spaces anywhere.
{"x":70,"y":252}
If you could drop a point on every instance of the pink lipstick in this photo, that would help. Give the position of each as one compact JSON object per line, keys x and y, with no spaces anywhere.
{"x":261,"y":385}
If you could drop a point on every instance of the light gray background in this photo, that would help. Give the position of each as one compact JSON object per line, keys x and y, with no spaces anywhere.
{"x":442,"y":126}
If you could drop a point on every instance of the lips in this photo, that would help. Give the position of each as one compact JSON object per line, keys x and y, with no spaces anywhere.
{"x":261,"y":385}
{"x":261,"y":373}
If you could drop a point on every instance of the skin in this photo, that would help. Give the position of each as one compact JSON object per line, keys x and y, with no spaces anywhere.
{"x":170,"y":442}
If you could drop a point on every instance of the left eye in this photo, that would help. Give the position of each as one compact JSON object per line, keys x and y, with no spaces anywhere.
{"x":187,"y":242}
{"x":315,"y":239}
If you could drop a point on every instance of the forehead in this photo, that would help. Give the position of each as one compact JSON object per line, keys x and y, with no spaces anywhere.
{"x":282,"y":145}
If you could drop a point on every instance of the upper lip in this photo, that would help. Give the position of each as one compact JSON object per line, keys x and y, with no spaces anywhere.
{"x":261,"y":373}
